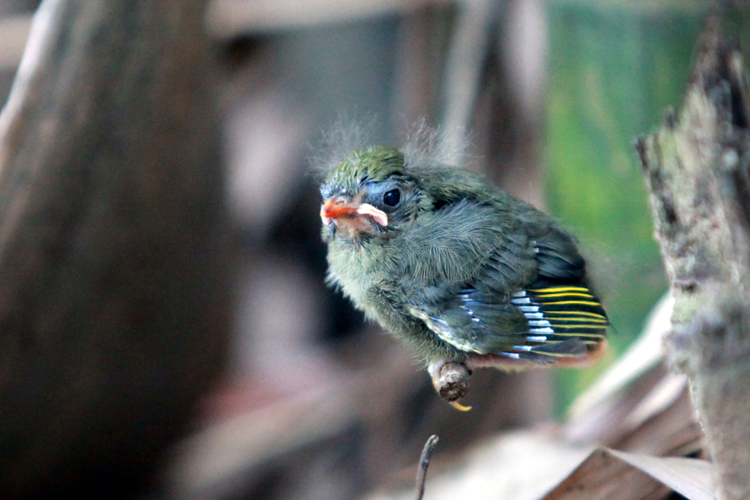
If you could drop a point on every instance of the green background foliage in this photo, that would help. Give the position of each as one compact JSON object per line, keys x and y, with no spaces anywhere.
{"x":612,"y":73}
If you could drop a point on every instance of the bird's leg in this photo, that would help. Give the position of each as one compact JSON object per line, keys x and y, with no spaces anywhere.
{"x":451,"y":381}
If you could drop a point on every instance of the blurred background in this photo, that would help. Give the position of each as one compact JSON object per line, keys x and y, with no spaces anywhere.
{"x":317,"y":403}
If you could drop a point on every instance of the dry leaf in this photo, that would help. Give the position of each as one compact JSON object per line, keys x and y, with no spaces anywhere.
{"x":690,"y":477}
{"x":617,"y":475}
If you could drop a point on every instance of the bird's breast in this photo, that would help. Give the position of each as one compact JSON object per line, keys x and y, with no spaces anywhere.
{"x":357,"y":270}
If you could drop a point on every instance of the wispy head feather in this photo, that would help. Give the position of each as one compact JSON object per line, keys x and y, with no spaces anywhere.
{"x":343,"y":137}
{"x":424,"y":145}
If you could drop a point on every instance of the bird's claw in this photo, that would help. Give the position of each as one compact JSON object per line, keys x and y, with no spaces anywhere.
{"x":451,"y":381}
{"x":459,"y":406}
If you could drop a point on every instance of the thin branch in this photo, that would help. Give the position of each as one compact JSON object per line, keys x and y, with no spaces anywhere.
{"x":424,"y":463}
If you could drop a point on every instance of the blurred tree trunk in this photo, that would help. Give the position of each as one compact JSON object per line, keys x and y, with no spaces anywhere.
{"x":15,"y":7}
{"x":113,"y":302}
{"x":697,"y":169}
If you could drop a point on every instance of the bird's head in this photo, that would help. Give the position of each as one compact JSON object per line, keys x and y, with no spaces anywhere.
{"x":368,"y":196}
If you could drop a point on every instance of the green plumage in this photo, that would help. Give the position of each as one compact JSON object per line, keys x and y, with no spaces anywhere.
{"x":461,"y":269}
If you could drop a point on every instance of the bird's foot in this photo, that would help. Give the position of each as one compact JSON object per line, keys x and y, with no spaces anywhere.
{"x":451,"y":381}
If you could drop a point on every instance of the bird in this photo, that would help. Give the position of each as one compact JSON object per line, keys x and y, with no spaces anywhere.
{"x":463,"y":273}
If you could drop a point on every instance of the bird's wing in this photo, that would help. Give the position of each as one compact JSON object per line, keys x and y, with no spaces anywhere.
{"x":529,"y":301}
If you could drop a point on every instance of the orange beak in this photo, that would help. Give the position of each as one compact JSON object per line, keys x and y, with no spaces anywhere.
{"x":335,"y":208}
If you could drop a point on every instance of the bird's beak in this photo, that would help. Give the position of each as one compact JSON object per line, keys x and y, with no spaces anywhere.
{"x":335,"y":208}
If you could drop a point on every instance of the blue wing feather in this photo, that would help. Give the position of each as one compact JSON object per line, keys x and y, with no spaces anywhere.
{"x":556,"y":315}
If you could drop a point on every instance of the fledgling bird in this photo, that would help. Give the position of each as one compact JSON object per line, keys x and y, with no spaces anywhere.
{"x":462,"y":272}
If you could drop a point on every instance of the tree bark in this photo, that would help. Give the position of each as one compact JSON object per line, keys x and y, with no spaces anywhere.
{"x":113,"y":298}
{"x":697,"y":170}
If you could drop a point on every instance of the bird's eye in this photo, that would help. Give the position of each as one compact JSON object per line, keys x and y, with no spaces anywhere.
{"x":392,"y":197}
